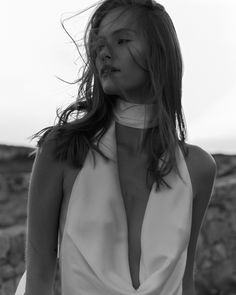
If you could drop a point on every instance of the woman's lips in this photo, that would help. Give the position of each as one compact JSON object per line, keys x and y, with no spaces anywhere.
{"x":108,"y":73}
{"x":108,"y":68}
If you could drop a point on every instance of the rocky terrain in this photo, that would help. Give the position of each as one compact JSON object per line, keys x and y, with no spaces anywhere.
{"x":215,"y":267}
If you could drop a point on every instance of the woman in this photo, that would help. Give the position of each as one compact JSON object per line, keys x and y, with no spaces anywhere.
{"x":114,"y":183}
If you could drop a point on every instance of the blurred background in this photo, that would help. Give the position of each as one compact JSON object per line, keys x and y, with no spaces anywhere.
{"x":34,"y":50}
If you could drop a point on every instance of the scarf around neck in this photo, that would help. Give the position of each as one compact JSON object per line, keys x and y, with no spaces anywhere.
{"x":134,"y":115}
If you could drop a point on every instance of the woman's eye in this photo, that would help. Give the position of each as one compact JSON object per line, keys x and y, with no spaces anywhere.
{"x":98,"y":46}
{"x":121,"y":41}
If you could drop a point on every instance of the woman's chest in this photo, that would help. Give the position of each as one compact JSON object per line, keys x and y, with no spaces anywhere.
{"x":135,"y":193}
{"x":132,"y":171}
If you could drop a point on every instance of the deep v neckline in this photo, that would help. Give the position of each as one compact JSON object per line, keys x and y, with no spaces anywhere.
{"x":94,"y":248}
{"x":141,"y":235}
{"x":147,"y":200}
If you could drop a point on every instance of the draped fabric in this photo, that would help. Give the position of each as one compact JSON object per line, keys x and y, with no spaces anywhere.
{"x":93,"y":235}
{"x":94,"y":248}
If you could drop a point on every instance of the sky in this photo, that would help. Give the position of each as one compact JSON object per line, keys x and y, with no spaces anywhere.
{"x":35,"y":50}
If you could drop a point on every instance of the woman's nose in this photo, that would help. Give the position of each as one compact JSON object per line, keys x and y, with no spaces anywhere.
{"x":105,"y":52}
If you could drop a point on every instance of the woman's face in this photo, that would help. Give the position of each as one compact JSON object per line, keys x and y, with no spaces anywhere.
{"x":117,"y":36}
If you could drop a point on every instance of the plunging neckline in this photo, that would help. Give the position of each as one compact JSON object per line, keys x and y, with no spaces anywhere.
{"x":92,"y":254}
{"x":140,"y":238}
{"x":95,"y":237}
{"x":145,"y":212}
{"x":114,"y":155}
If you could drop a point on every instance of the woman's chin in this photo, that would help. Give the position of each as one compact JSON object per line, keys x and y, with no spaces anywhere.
{"x":109,"y":86}
{"x":108,"y":89}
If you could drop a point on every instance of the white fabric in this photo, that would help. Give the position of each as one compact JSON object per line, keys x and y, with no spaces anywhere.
{"x":93,"y":244}
{"x":94,"y":249}
{"x":135,"y":115}
{"x":21,"y":286}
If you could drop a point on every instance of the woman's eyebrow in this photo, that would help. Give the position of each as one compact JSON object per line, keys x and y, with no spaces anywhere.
{"x":119,"y":31}
{"x":123,"y":30}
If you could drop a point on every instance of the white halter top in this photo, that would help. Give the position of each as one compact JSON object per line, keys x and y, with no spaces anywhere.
{"x":93,"y":255}
{"x":93,"y":236}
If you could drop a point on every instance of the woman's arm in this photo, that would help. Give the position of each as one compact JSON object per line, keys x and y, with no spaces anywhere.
{"x":45,"y":196}
{"x":202,"y":170}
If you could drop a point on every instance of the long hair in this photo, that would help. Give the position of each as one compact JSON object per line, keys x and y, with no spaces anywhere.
{"x":82,"y":124}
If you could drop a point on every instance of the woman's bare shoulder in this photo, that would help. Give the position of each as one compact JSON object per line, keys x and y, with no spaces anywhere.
{"x":202,"y":167}
{"x":202,"y":170}
{"x":47,"y":150}
{"x":201,"y":160}
{"x":46,"y":168}
{"x":48,"y":145}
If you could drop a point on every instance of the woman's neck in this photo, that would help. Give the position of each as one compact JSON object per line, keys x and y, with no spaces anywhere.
{"x":140,"y":99}
{"x":133,"y":122}
{"x":130,"y":139}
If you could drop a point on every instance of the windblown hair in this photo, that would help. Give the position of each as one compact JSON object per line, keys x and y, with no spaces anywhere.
{"x":81,"y":125}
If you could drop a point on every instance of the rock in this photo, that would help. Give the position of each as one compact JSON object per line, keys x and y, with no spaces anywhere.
{"x":3,"y":261}
{"x":6,"y":221}
{"x":7,"y":272}
{"x":223,"y":275}
{"x":16,"y":254}
{"x":217,"y":230}
{"x":202,"y":288}
{"x":216,"y":253}
{"x":232,"y":221}
{"x":226,"y":164}
{"x":8,"y":288}
{"x":215,"y":263}
{"x":9,"y":152}
{"x":206,"y":265}
{"x":4,"y":245}
{"x":215,"y":212}
{"x":18,"y":183}
{"x":219,"y":252}
{"x":20,"y":268}
{"x":4,"y":194}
